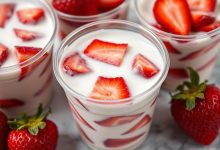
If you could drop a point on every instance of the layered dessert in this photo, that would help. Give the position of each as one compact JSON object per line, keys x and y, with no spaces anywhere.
{"x":26,"y":36}
{"x":73,"y":14}
{"x":109,"y":76}
{"x":189,"y":30}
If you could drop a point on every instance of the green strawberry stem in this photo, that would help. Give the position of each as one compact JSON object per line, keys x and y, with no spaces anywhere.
{"x":190,"y":91}
{"x":32,"y":123}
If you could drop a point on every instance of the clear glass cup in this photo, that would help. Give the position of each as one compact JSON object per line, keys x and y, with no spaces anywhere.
{"x":197,"y":50}
{"x":68,"y":23}
{"x":93,"y":116}
{"x":25,"y":94}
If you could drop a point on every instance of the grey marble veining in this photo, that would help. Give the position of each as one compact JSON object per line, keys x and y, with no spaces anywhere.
{"x":164,"y":133}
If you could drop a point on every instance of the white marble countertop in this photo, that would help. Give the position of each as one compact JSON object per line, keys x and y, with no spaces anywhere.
{"x":164,"y":133}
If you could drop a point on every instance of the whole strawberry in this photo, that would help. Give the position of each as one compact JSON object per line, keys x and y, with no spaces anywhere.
{"x":32,"y":133}
{"x":196,"y":109}
{"x":3,"y":131}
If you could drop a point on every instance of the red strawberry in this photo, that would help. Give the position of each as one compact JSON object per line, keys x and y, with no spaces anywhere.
{"x":3,"y":53}
{"x":201,"y":19}
{"x":210,"y":27}
{"x":26,"y":35}
{"x":178,"y":73}
{"x":107,"y":52}
{"x":144,"y":66}
{"x":170,"y":48}
{"x":116,"y":121}
{"x":106,"y":5}
{"x":173,"y":15}
{"x":202,"y":5}
{"x":143,"y":122}
{"x":25,"y":53}
{"x":113,"y":143}
{"x":10,"y":103}
{"x":32,"y":132}
{"x":76,"y":7}
{"x":110,"y":89}
{"x":31,"y":15}
{"x":75,"y":64}
{"x":3,"y":131}
{"x":6,"y":11}
{"x":196,"y":108}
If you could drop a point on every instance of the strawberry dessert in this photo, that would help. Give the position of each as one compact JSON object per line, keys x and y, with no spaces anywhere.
{"x":75,"y":13}
{"x":189,"y":30}
{"x":112,"y":82}
{"x":27,"y":32}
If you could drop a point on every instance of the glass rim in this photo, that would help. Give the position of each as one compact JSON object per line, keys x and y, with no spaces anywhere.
{"x":90,"y":18}
{"x":44,"y":50}
{"x":65,"y":86}
{"x":171,"y":35}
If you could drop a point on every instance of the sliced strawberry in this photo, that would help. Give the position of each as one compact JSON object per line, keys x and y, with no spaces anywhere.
{"x":211,"y":62}
{"x":31,"y":15}
{"x":3,"y":53}
{"x":144,"y":66}
{"x":26,"y":35}
{"x":116,"y":121}
{"x":6,"y":11}
{"x":178,"y":73}
{"x":75,"y":64}
{"x":201,"y":19}
{"x":113,"y":143}
{"x":83,"y":134}
{"x":202,"y":5}
{"x":110,"y":89}
{"x":143,"y":122}
{"x":45,"y":86}
{"x":47,"y":66}
{"x":173,"y":15}
{"x":79,"y":117}
{"x":107,"y":52}
{"x":198,"y":53}
{"x":210,"y":27}
{"x":25,"y":53}
{"x":170,"y":48}
{"x":10,"y":103}
{"x":106,"y":5}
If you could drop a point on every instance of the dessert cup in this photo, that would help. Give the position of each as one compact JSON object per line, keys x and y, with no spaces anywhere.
{"x":197,"y":50}
{"x":112,"y":124}
{"x":20,"y":93}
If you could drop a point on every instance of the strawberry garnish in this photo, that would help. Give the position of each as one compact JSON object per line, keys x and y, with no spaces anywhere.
{"x":202,"y":5}
{"x":26,"y":35}
{"x":25,"y":53}
{"x":110,"y":89}
{"x":107,"y":52}
{"x":144,"y":66}
{"x":10,"y":103}
{"x":6,"y":11}
{"x":106,"y":5}
{"x":173,"y":15}
{"x":75,"y":64}
{"x":201,"y":19}
{"x":3,"y":53}
{"x":210,"y":27}
{"x":31,"y":15}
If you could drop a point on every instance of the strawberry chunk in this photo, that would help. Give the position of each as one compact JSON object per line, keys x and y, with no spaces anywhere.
{"x":75,"y":64}
{"x":210,"y":27}
{"x":178,"y":73}
{"x":173,"y":15}
{"x":202,"y":18}
{"x":26,"y":35}
{"x":10,"y":103}
{"x":31,"y":15}
{"x":202,"y":5}
{"x":25,"y":53}
{"x":3,"y":54}
{"x":107,"y":52}
{"x":6,"y":11}
{"x":106,"y":5}
{"x":110,"y":89}
{"x":170,"y":48}
{"x":144,"y":66}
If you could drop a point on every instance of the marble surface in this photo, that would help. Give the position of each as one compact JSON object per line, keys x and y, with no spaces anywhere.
{"x":164,"y":133}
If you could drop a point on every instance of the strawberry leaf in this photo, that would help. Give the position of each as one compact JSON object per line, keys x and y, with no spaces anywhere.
{"x":194,"y":77}
{"x":190,"y":105}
